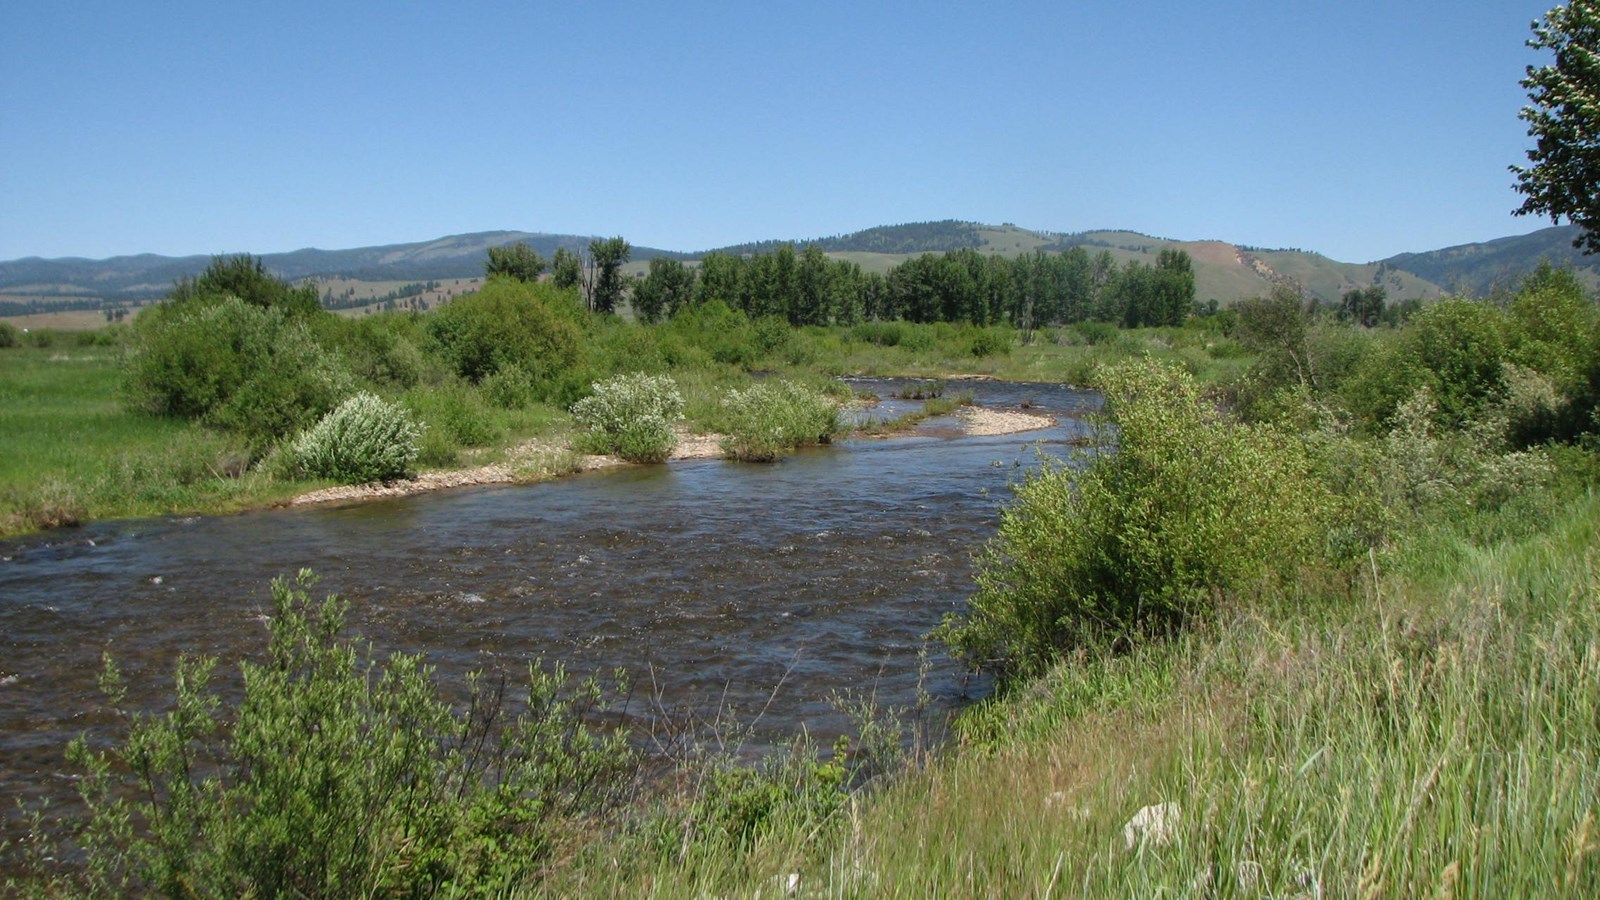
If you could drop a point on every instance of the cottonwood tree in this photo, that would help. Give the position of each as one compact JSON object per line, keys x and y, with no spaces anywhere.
{"x":667,"y":288}
{"x":566,"y":269}
{"x":1564,"y":121}
{"x":602,"y":279}
{"x":1363,"y":306}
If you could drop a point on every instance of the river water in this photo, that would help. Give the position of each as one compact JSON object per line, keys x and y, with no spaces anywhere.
{"x":745,"y":588}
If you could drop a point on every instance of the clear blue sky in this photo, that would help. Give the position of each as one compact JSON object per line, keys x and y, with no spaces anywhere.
{"x":1358,"y":129}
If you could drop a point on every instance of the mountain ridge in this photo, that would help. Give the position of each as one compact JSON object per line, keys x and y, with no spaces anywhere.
{"x":1224,"y":271}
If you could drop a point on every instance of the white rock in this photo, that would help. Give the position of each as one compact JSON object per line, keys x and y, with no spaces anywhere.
{"x":1156,"y":825}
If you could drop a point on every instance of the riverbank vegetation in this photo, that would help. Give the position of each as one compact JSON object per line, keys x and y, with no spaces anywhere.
{"x":1318,"y":617}
{"x":198,"y":404}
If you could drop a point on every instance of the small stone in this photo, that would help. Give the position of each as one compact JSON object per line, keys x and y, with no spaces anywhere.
{"x":1156,"y":825}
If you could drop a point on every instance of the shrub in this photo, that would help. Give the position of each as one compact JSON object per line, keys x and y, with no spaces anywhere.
{"x":508,"y":322}
{"x":725,"y":333}
{"x":1557,"y":327}
{"x":990,"y":341}
{"x":1454,"y":348}
{"x":1094,"y":332}
{"x":365,"y":439}
{"x":455,"y":412}
{"x":919,"y":338}
{"x":884,"y":334}
{"x":511,"y":387}
{"x":1187,"y":511}
{"x":10,"y":336}
{"x":631,"y":416}
{"x":772,"y":333}
{"x":1423,"y":468}
{"x":773,"y":417}
{"x":251,"y":369}
{"x":342,"y":774}
{"x":382,"y":349}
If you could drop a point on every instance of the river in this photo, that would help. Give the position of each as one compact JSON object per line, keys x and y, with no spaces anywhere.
{"x":741,"y":587}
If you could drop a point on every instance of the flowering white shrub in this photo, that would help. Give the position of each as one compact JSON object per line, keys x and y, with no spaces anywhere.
{"x":364,"y":439}
{"x":631,"y":416}
{"x":772,"y":417}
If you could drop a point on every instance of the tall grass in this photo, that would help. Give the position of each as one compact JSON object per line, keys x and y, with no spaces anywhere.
{"x":69,"y":451}
{"x":1411,"y":739}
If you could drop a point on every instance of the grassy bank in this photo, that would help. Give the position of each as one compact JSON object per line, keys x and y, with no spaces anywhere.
{"x":70,"y":451}
{"x":73,"y":449}
{"x":1425,"y":728}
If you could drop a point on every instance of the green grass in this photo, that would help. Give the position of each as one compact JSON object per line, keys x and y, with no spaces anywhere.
{"x":1413,"y":737}
{"x":69,"y":451}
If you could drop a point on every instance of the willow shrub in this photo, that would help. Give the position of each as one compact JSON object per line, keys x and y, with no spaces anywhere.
{"x":342,"y":775}
{"x":252,"y":370}
{"x":771,"y":418}
{"x":631,"y":416}
{"x":1187,"y":510}
{"x":365,"y":439}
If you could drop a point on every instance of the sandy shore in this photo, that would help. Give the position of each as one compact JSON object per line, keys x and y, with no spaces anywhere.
{"x":541,"y":461}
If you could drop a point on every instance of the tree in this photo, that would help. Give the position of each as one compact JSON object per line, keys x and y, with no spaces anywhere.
{"x":1174,"y":288}
{"x":667,"y":288}
{"x":603,"y":282}
{"x":723,"y":277}
{"x":566,"y":270}
{"x":1564,"y":121}
{"x":1363,"y":306}
{"x":517,"y":261}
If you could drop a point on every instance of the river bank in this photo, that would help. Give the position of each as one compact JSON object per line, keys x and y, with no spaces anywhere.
{"x":544,"y":459}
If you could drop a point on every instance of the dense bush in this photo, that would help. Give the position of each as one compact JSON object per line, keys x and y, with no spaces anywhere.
{"x":772,"y":333}
{"x":251,"y":369}
{"x":10,"y":336}
{"x":724,"y":333}
{"x":246,"y":277}
{"x":1455,"y":349}
{"x":631,"y":416}
{"x":884,"y":334}
{"x":773,"y":417}
{"x":1187,"y":511}
{"x":455,"y":412}
{"x":365,"y":439}
{"x":990,"y":341}
{"x":507,"y":323}
{"x":1093,"y":332}
{"x":341,"y":775}
{"x":383,"y":350}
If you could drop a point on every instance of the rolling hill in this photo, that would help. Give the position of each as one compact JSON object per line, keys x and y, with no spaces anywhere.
{"x":1224,"y":271}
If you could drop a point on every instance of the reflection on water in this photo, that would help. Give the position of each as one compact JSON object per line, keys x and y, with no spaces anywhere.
{"x":745,"y":586}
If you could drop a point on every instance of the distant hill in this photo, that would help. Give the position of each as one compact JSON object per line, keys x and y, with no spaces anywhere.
{"x":1481,"y":269}
{"x":1224,"y":271}
{"x":144,"y":277}
{"x":911,"y":238}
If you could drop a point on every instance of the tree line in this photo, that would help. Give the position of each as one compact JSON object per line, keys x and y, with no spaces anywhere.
{"x":805,"y":287}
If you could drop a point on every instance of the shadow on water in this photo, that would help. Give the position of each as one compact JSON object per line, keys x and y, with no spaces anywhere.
{"x":746,"y":587}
